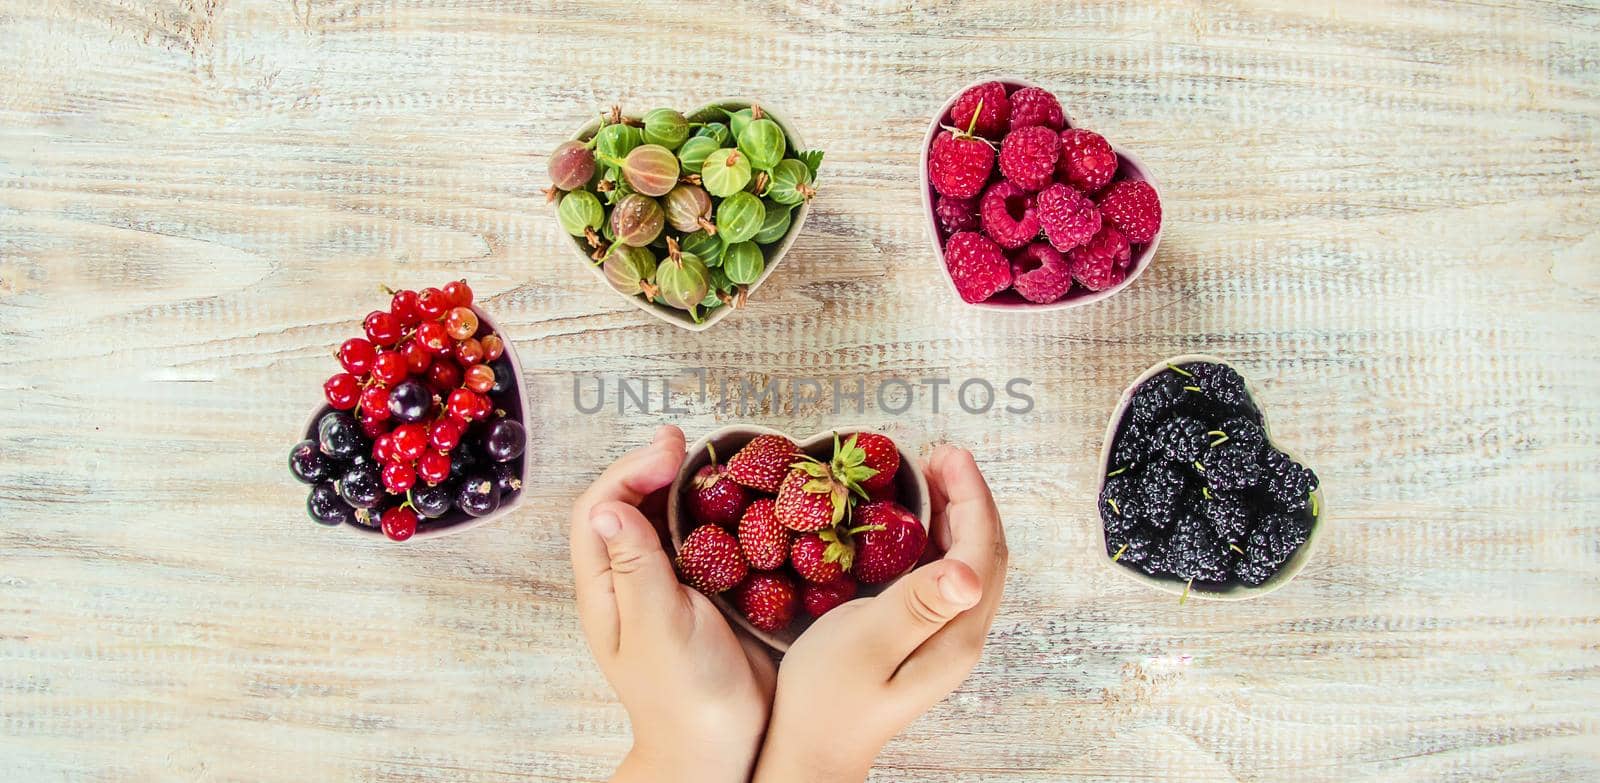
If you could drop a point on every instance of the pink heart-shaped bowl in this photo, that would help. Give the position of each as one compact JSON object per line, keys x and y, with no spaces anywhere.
{"x":775,"y":253}
{"x":911,"y":491}
{"x":511,"y":401}
{"x":1128,"y":167}
{"x":1173,"y":585}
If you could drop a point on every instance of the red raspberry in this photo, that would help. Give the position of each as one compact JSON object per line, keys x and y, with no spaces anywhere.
{"x":994,"y":114}
{"x":1008,"y":216}
{"x":959,"y":165}
{"x":1087,"y":160}
{"x":1134,"y":208}
{"x":1103,"y":262}
{"x":1028,"y":156}
{"x":976,"y":265}
{"x":956,"y":214}
{"x":1040,"y":274}
{"x":1033,"y":106}
{"x":1068,"y":217}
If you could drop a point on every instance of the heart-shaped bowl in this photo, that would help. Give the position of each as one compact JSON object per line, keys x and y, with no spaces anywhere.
{"x":1128,"y":167}
{"x":1173,"y":585}
{"x":673,"y":315}
{"x":911,"y":491}
{"x":515,"y":407}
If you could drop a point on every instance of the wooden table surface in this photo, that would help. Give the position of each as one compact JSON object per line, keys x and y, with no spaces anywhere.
{"x":1382,"y":212}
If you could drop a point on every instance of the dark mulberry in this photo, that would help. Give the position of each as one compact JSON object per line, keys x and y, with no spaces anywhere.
{"x":1157,"y":397}
{"x":1275,"y":539}
{"x":1159,"y":487}
{"x":1286,"y":484}
{"x":1180,"y":439}
{"x":1132,"y":443}
{"x":1229,"y":516}
{"x":1231,"y":467}
{"x":1119,"y":505}
{"x":1221,"y":385}
{"x":1136,"y":549}
{"x":1241,"y":431}
{"x":1193,"y":552}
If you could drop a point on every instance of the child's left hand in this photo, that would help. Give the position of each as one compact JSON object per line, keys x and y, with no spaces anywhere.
{"x":698,"y":694}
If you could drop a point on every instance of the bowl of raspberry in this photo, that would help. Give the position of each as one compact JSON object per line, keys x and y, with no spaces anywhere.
{"x":1026,"y":209}
{"x":1196,"y":499}
{"x":423,"y":431}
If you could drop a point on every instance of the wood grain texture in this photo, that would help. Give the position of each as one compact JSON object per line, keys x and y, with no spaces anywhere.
{"x":1383,"y":212}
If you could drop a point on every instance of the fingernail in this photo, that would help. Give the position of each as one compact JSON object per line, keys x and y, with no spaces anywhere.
{"x":956,"y":592}
{"x":606,"y":524}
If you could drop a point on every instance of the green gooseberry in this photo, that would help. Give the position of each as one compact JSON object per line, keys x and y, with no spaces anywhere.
{"x":683,"y":279}
{"x":738,"y":119}
{"x":630,"y":270}
{"x":715,"y":131}
{"x":719,"y":280}
{"x":666,"y":127}
{"x":617,"y":140}
{"x":707,"y":246}
{"x":580,"y":211}
{"x":692,"y":155}
{"x":776,"y":223}
{"x":763,"y":143}
{"x":688,"y":208}
{"x":637,"y":220}
{"x":739,"y":217}
{"x":791,"y":182}
{"x":651,"y":169}
{"x":743,"y":262}
{"x":713,"y":299}
{"x":725,"y":172}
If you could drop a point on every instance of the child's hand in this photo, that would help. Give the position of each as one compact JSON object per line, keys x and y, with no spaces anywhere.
{"x":698,"y":695}
{"x":867,"y":669}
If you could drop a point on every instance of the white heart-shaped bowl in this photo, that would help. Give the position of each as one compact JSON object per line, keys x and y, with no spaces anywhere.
{"x":911,"y":490}
{"x":1128,"y":167}
{"x":1173,"y":585}
{"x":516,"y":408}
{"x":673,"y":315}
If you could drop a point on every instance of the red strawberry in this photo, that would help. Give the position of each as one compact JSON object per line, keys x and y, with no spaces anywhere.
{"x":715,"y":499}
{"x":768,"y":600}
{"x":1132,"y":207}
{"x":818,"y":599}
{"x":888,"y":540}
{"x":959,"y":165}
{"x":763,"y":462}
{"x":821,"y":557}
{"x":710,"y":560}
{"x":810,"y":498}
{"x":886,"y":493}
{"x":871,"y":451}
{"x":763,"y":541}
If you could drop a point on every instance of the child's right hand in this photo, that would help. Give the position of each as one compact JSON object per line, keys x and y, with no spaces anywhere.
{"x":866,"y":670}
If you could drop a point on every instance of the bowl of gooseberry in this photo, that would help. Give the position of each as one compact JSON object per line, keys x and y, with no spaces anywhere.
{"x":685,"y":215}
{"x":423,"y":431}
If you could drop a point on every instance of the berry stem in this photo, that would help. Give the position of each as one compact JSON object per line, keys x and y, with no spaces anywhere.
{"x":1180,"y":371}
{"x":1316,"y":507}
{"x":1185,"y":596}
{"x":1235,"y":547}
{"x":1117,"y":472}
{"x":1112,"y":502}
{"x":1118,"y":555}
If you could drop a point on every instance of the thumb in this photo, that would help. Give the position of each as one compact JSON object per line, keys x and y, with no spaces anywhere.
{"x":641,"y":575}
{"x":915,"y":608}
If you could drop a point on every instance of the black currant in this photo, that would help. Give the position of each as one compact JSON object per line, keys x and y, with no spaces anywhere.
{"x":478,"y":495}
{"x":308,"y":463}
{"x":362,"y":486}
{"x":507,"y":477}
{"x":410,"y":401}
{"x":432,"y":502}
{"x":504,"y":441}
{"x":326,"y":507}
{"x":504,"y":380}
{"x":339,"y":436}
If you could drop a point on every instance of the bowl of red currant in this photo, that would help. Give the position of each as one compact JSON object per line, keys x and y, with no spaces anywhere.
{"x":423,"y":432}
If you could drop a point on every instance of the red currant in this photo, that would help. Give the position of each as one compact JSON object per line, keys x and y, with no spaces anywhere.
{"x":383,"y":448}
{"x":389,"y":368}
{"x":481,"y":407}
{"x":403,"y":306}
{"x":493,"y":347}
{"x":458,"y":293}
{"x":433,"y":467}
{"x":444,"y":376}
{"x":372,"y":427}
{"x":375,"y":402}
{"x":382,"y":328}
{"x":462,"y":405}
{"x":479,"y":378}
{"x":399,"y":523}
{"x":433,"y":337}
{"x":416,"y":356}
{"x":461,"y":323}
{"x":342,"y":391}
{"x":399,"y":477}
{"x":409,"y":441}
{"x":356,"y":356}
{"x":469,"y":351}
{"x":432,"y":303}
{"x":445,"y":434}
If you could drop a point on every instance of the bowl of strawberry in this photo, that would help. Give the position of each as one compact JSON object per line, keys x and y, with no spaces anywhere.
{"x":786,"y":530}
{"x":1026,"y":209}
{"x":423,"y":432}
